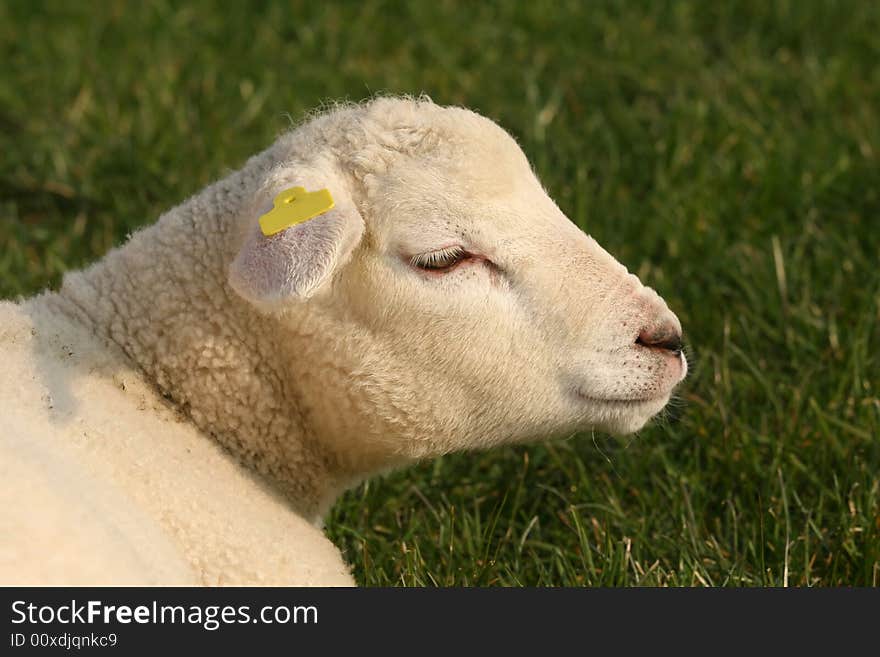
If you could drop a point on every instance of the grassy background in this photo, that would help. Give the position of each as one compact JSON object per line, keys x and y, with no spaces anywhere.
{"x":729,"y":153}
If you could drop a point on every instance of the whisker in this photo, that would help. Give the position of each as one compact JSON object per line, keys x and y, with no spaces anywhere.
{"x":599,"y":449}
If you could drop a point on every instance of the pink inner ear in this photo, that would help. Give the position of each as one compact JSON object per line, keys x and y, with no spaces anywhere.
{"x":293,"y":264}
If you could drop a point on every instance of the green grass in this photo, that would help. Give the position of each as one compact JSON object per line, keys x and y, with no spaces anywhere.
{"x":729,"y":153}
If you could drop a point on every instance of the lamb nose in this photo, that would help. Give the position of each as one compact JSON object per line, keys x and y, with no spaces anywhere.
{"x":662,"y":337}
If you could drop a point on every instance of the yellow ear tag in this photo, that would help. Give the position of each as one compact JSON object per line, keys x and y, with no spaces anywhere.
{"x":294,"y":206}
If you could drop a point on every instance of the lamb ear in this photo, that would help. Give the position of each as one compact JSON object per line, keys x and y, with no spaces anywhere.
{"x":294,"y":264}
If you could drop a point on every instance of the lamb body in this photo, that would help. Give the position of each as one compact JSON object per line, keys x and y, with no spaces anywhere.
{"x":104,"y":482}
{"x":186,"y":410}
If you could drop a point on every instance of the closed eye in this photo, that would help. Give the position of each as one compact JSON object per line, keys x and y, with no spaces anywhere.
{"x":440,"y":260}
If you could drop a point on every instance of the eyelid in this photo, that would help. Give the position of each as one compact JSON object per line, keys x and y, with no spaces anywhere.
{"x":439,"y":257}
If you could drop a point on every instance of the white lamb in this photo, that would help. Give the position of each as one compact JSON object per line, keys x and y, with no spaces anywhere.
{"x":187,"y":409}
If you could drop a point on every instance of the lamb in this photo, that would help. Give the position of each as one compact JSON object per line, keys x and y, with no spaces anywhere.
{"x":186,"y":410}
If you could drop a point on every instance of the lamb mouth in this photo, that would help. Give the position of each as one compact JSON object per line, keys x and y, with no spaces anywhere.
{"x":636,"y":401}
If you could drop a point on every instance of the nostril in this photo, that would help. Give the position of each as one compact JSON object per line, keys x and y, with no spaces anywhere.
{"x":667,"y":339}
